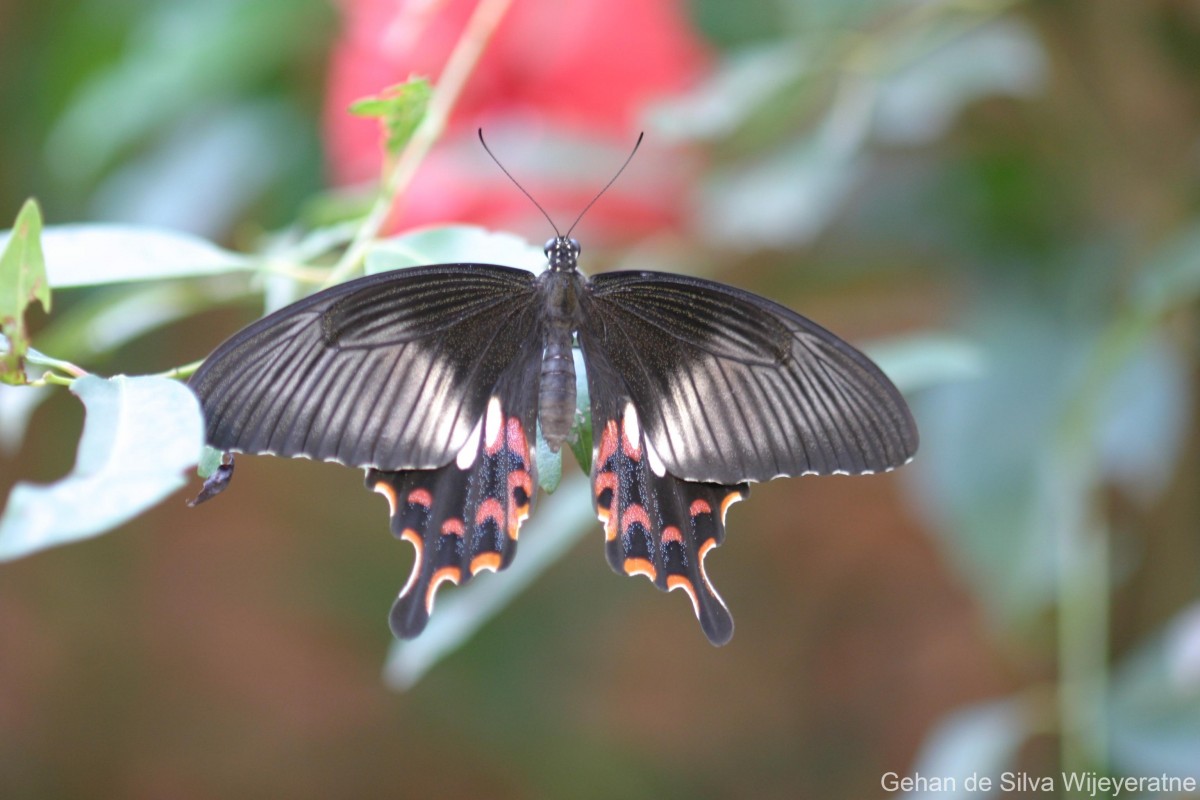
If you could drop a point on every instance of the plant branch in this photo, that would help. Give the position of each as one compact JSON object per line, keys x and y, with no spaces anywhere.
{"x":462,"y":61}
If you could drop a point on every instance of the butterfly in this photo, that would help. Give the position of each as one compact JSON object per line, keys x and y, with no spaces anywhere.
{"x":437,"y":379}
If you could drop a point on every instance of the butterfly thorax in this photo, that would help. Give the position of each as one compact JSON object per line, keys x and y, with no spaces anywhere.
{"x":561,"y":286}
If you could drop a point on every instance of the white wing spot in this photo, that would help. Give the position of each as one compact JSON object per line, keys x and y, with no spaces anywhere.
{"x":493,"y":426}
{"x":466,"y":456}
{"x":656,"y":463}
{"x":633,"y":431}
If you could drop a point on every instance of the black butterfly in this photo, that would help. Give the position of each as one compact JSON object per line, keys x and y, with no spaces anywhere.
{"x":435,"y":379}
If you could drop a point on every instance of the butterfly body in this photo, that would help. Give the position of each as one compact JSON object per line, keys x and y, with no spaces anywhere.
{"x":561,"y":287}
{"x":436,"y":379}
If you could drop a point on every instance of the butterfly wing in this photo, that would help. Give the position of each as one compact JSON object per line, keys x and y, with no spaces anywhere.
{"x":732,"y":387}
{"x":655,"y":524}
{"x":464,"y":517}
{"x":392,"y":371}
{"x":428,"y":377}
{"x":698,"y":388}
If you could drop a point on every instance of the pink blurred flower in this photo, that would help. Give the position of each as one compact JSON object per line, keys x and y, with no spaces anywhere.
{"x":559,"y":92}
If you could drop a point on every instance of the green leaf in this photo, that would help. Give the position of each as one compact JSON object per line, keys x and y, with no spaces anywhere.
{"x":399,"y":109}
{"x":1154,"y":701}
{"x":22,"y":281}
{"x":453,"y":244}
{"x":581,"y":440}
{"x":549,"y":464}
{"x":139,"y":436}
{"x":86,"y":255}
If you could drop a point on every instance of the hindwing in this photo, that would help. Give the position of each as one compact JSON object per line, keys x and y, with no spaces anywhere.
{"x":464,"y":518}
{"x":655,"y":524}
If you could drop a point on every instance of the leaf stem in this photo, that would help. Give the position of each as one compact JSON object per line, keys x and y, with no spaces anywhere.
{"x":462,"y":61}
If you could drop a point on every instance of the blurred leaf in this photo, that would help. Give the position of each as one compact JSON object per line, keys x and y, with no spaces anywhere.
{"x":22,"y":281}
{"x":581,"y":444}
{"x":789,"y":196}
{"x":561,"y":520}
{"x":139,"y":435}
{"x":210,"y":459}
{"x":918,"y":362}
{"x":205,"y":174}
{"x":181,"y":56}
{"x":1154,"y":702}
{"x":453,"y":244}
{"x":85,"y":255}
{"x":920,"y":102}
{"x":740,"y":86}
{"x":984,"y":470}
{"x":399,"y":109}
{"x":549,"y":464}
{"x":1144,"y":418}
{"x":17,"y":405}
{"x":1172,"y":276}
{"x":980,"y":740}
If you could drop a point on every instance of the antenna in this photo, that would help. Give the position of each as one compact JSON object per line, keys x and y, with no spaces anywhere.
{"x":636,"y":145}
{"x":613,"y":180}
{"x":519,"y":186}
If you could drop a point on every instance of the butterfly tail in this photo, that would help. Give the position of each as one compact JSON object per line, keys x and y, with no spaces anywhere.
{"x":464,"y":518}
{"x":656,"y":525}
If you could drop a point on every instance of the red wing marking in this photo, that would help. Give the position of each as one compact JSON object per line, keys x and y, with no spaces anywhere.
{"x":656,"y":524}
{"x":485,"y":561}
{"x":492,"y":509}
{"x":640,"y":566}
{"x":462,"y":518}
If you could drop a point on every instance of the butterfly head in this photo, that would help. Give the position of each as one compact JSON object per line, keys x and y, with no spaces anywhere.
{"x":563,"y":254}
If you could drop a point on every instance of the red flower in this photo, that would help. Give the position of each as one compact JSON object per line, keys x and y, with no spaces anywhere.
{"x":559,"y":92}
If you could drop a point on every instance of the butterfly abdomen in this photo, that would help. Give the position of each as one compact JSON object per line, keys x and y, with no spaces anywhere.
{"x":556,"y":388}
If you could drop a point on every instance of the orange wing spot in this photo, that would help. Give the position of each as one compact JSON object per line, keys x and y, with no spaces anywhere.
{"x":452,"y":574}
{"x":608,"y":442}
{"x":605,"y":480}
{"x":488,"y":561}
{"x":730,"y":499}
{"x":640,"y":566}
{"x":516,"y":517}
{"x":490,"y":509}
{"x":515,"y":438}
{"x":671,"y":534}
{"x":518,"y":512}
{"x":388,"y":492}
{"x":634,"y":514}
{"x":413,"y":538}
{"x":610,"y":525}
{"x":452,"y":527}
{"x":699,"y":507}
{"x":420,"y":497}
{"x":680,"y":582}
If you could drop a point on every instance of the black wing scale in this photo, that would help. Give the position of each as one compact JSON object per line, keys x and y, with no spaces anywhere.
{"x":391,"y":371}
{"x":732,"y":387}
{"x":464,"y":517}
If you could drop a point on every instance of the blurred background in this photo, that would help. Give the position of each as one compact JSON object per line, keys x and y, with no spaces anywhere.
{"x":1000,"y":200}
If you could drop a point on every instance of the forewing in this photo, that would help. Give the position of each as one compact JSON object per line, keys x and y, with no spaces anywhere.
{"x":391,"y":371}
{"x":732,"y":387}
{"x":464,"y":517}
